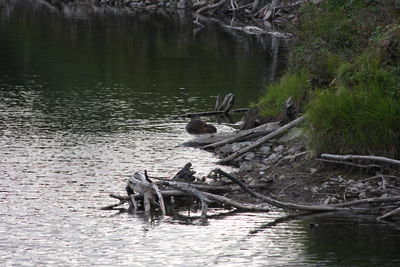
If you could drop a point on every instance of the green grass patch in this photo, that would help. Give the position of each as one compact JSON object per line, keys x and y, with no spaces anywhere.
{"x":361,"y":122}
{"x":296,"y":86}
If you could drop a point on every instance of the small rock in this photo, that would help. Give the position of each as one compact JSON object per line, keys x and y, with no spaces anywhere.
{"x":359,"y":185}
{"x":313,"y":170}
{"x":354,"y":190}
{"x":291,"y":135}
{"x":278,"y":148}
{"x":351,"y":181}
{"x":247,"y":166}
{"x":282,"y":177}
{"x":237,"y":146}
{"x":250,"y":156}
{"x":326,"y":185}
{"x":315,"y":189}
{"x":272,"y":158}
{"x":385,"y":195}
{"x":333,"y":200}
{"x":226,"y":149}
{"x":363,"y":194}
{"x":264,"y":150}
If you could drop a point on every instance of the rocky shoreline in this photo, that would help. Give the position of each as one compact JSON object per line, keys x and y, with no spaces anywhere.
{"x":295,"y":174}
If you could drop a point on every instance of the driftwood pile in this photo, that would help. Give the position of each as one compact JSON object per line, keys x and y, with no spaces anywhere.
{"x":150,"y":196}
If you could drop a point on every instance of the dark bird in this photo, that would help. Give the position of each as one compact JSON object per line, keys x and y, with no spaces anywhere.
{"x":200,"y":127}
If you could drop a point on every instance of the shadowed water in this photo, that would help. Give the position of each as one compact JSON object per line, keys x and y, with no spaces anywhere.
{"x":85,"y":101}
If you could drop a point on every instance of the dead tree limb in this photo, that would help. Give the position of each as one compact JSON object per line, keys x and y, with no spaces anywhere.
{"x":209,"y":7}
{"x":236,"y":204}
{"x":245,"y":134}
{"x":362,"y":157}
{"x":362,"y":166}
{"x":262,"y":140}
{"x":372,"y":200}
{"x":192,"y":191}
{"x":138,"y":183}
{"x":389,"y":214}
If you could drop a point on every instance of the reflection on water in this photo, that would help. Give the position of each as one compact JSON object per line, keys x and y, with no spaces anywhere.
{"x":85,"y":101}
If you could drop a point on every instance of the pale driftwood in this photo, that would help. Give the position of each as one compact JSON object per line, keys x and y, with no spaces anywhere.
{"x":362,"y":157}
{"x":217,"y":102}
{"x":141,"y":184}
{"x":264,"y":139}
{"x":246,"y":134}
{"x":192,"y":191}
{"x":362,"y":166}
{"x":368,"y":201}
{"x":389,"y":214}
{"x":178,"y":193}
{"x":236,"y":204}
{"x":226,"y":104}
{"x":210,"y":113}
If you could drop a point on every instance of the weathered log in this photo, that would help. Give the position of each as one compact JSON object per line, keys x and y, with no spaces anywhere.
{"x":362,"y":166}
{"x":262,"y":140}
{"x":141,"y":184}
{"x":209,"y":113}
{"x":192,"y":191}
{"x":362,"y":157}
{"x":207,"y":139}
{"x":372,"y":200}
{"x":246,"y":134}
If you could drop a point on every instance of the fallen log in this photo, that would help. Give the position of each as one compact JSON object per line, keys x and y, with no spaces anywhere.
{"x":361,"y":157}
{"x":372,"y":200}
{"x":362,"y":166}
{"x":262,"y":140}
{"x":219,"y":138}
{"x":246,"y":134}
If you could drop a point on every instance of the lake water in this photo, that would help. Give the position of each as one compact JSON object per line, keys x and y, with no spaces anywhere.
{"x":85,"y":101}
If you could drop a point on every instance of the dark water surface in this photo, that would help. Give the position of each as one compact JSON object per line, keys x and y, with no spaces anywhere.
{"x":85,"y":99}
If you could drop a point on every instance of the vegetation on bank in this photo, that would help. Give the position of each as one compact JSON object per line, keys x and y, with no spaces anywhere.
{"x":345,"y":75}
